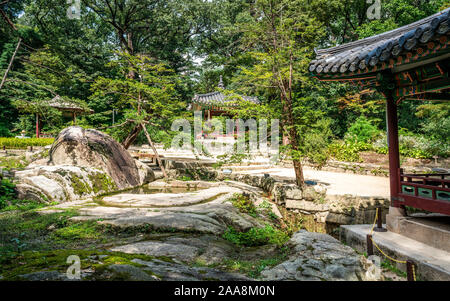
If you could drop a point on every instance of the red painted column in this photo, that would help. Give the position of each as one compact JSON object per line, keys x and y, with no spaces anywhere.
{"x":37,"y":125}
{"x":394,"y":157}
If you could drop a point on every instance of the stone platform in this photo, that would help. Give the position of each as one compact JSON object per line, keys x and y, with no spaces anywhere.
{"x":430,"y":229}
{"x":432,"y":263}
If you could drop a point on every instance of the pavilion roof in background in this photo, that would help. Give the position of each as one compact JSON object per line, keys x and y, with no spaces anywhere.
{"x":59,"y":103}
{"x":415,"y":42}
{"x":219,"y":99}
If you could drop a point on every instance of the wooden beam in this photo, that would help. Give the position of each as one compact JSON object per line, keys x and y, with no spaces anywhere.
{"x":430,"y":96}
{"x":432,"y":86}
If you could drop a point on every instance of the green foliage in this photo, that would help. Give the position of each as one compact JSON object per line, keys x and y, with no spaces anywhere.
{"x":362,"y":131}
{"x":7,"y":192}
{"x":24,"y":142}
{"x":254,"y":268}
{"x":348,"y":151}
{"x":184,"y":178}
{"x":145,"y":89}
{"x":11,"y":162}
{"x":436,"y":127}
{"x":22,"y":205}
{"x":244,"y":204}
{"x":389,"y":265}
{"x":77,"y":231}
{"x":256,"y":236}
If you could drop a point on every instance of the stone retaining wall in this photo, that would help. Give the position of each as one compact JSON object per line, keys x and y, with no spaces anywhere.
{"x":311,"y":199}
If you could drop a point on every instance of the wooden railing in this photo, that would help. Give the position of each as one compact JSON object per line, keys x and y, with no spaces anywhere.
{"x":429,"y":192}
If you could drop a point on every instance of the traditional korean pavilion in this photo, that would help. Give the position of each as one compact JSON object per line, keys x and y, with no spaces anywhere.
{"x":68,"y":108}
{"x":411,"y":63}
{"x":216,"y":103}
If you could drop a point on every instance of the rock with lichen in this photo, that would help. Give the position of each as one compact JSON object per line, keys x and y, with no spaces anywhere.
{"x":62,"y":183}
{"x":93,"y":149}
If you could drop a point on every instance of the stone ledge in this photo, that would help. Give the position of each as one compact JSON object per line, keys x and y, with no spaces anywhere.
{"x":432,"y":263}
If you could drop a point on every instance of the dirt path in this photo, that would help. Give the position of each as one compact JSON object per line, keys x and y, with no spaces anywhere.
{"x":336,"y":183}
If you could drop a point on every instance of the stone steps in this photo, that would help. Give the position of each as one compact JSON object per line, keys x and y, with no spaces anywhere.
{"x":430,"y":229}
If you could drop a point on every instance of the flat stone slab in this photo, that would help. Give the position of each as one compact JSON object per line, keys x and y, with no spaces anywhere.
{"x":212,"y":214}
{"x":178,"y":272}
{"x":432,"y":263}
{"x":207,"y":248}
{"x":166,"y":199}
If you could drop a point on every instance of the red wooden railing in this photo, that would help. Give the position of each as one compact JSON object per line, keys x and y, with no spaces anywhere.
{"x":429,"y":192}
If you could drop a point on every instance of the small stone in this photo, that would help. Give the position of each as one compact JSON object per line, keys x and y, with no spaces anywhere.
{"x":44,"y":276}
{"x":128,"y":272}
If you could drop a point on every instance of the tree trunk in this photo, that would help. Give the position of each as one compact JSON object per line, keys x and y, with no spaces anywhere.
{"x":10,"y":63}
{"x":130,"y":49}
{"x":293,"y":139}
{"x":132,"y":136}
{"x":154,"y":150}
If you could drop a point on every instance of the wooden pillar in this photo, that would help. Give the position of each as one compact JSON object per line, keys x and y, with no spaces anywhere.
{"x":394,"y":157}
{"x":74,"y":114}
{"x":37,"y":125}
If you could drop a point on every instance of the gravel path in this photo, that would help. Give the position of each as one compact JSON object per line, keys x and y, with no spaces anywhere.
{"x":337,"y":183}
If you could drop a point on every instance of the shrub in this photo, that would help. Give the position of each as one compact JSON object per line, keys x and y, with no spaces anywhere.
{"x":410,"y":145}
{"x":25,"y":142}
{"x":256,"y":236}
{"x":7,"y":192}
{"x":244,"y":204}
{"x":348,"y":151}
{"x":362,"y":131}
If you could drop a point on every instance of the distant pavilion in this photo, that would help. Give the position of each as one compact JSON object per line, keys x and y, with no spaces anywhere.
{"x":217,"y":103}
{"x":69,"y":109}
{"x":411,"y":63}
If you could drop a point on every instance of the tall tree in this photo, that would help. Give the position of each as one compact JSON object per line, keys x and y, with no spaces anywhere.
{"x":149,"y":98}
{"x":280,"y":38}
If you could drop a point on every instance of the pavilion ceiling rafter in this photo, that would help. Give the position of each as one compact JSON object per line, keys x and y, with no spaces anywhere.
{"x":415,"y":58}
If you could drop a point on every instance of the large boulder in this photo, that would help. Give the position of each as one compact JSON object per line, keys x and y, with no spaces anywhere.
{"x":94,"y":149}
{"x":62,"y":183}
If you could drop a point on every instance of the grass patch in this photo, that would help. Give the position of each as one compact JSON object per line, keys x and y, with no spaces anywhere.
{"x":256,"y":236}
{"x":251,"y":268}
{"x":31,"y":230}
{"x":244,"y":204}
{"x":56,"y":260}
{"x":13,"y":162}
{"x":293,"y":222}
{"x":7,"y":192}
{"x":184,"y":178}
{"x":388,"y":265}
{"x":24,"y":205}
{"x":19,"y":143}
{"x":78,"y":231}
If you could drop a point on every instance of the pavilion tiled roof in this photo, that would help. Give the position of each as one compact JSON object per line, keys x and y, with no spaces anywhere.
{"x":378,"y":51}
{"x":218,"y":98}
{"x":59,"y":103}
